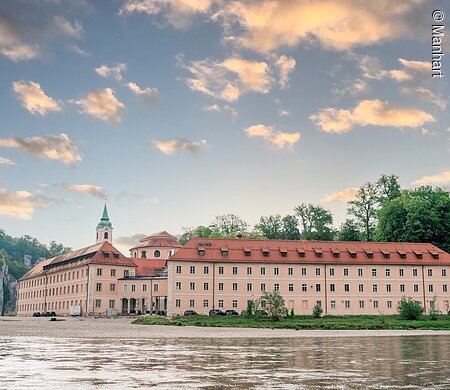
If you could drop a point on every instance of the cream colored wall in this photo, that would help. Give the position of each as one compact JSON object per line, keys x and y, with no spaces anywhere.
{"x":150,"y":251}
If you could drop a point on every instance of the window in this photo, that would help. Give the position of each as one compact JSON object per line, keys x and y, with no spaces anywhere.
{"x":235,"y":286}
{"x":402,"y":288}
{"x":317,"y":271}
{"x":430,"y":288}
{"x":178,"y":269}
{"x":191,"y":302}
{"x":303,"y":271}
{"x":331,"y":271}
{"x":374,"y":272}
{"x":276,"y":287}
{"x":144,"y":254}
{"x":276,"y":271}
{"x":332,"y":287}
{"x":133,"y":287}
{"x":444,"y":272}
{"x":345,"y":271}
{"x":105,"y":236}
{"x":263,"y":287}
{"x":388,"y":288}
{"x":249,"y":287}
{"x":263,"y":271}
{"x":220,"y":286}
{"x":220,"y":270}
{"x":112,"y":287}
{"x":155,"y":287}
{"x":375,"y":304}
{"x":225,"y":252}
{"x":220,"y":302}
{"x":112,"y":303}
{"x":444,"y":288}
{"x":205,"y":286}
{"x":234,"y":304}
{"x":416,"y":288}
{"x":389,"y":304}
{"x":205,"y":303}
{"x":347,"y":304}
{"x":360,"y":272}
{"x":401,"y":272}
{"x":291,"y":287}
{"x":388,"y":272}
{"x":98,"y":287}
{"x":375,"y":288}
{"x":192,"y":286}
{"x":304,"y":287}
{"x":333,"y":304}
{"x":206,"y":270}
{"x":415,"y":272}
{"x":126,"y":273}
{"x":235,"y":269}
{"x":290,"y":271}
{"x":430,"y":272}
{"x":99,"y":272}
{"x":201,"y":252}
{"x":178,"y":286}
{"x":361,"y":304}
{"x":318,"y":287}
{"x":157,"y":253}
{"x":361,"y":287}
{"x":177,"y":302}
{"x":346,"y":287}
{"x":249,"y":270}
{"x":192,"y":269}
{"x":98,"y":303}
{"x":113,"y":273}
{"x":265,"y":252}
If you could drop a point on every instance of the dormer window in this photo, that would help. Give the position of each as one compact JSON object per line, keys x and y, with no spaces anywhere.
{"x":201,"y":251}
{"x":283,"y":252}
{"x":419,"y":255}
{"x":318,"y":252}
{"x":247,"y":252}
{"x":224,"y":251}
{"x":265,"y":252}
{"x":106,"y":254}
{"x":369,"y":254}
{"x":434,"y":254}
{"x":402,"y":254}
{"x":116,"y":255}
{"x":352,"y":253}
{"x":336,"y":253}
{"x":386,"y":254}
{"x":301,"y":252}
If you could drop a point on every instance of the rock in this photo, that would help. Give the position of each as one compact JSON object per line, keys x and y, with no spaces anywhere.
{"x":8,"y":290}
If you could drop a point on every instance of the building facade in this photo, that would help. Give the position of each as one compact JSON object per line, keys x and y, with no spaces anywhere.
{"x":345,"y":278}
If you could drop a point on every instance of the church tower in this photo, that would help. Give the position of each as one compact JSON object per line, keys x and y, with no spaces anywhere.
{"x":104,"y":228}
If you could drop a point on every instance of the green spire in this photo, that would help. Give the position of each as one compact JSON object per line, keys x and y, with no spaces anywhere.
{"x":104,"y":221}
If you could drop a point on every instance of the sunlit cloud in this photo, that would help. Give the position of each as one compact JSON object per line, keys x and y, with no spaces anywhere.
{"x":60,"y":147}
{"x":65,"y":27}
{"x":175,"y":145}
{"x":341,"y":196}
{"x":6,"y":161}
{"x":272,"y":136}
{"x":282,"y":112}
{"x":33,"y":98}
{"x":149,"y":95}
{"x":369,"y":112}
{"x":285,"y":65}
{"x":418,"y":66}
{"x":350,"y":87}
{"x":114,"y":72}
{"x":102,"y":104}
{"x":88,"y":189}
{"x":439,"y":179}
{"x":20,"y":204}
{"x":425,"y":95}
{"x":226,"y":109}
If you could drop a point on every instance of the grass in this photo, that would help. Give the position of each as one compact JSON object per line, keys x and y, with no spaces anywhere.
{"x":303,"y":322}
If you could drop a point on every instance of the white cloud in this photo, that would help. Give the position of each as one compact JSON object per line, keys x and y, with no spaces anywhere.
{"x":102,"y":104}
{"x":33,"y":98}
{"x":282,"y":112}
{"x":65,"y":27}
{"x":174,"y":145}
{"x":286,"y":65}
{"x":6,"y":161}
{"x":89,"y":189}
{"x":439,"y":179}
{"x":276,"y":138}
{"x":226,"y":109}
{"x":111,"y":71}
{"x":369,"y":112}
{"x":149,"y":95}
{"x":425,"y":95}
{"x":418,"y":66}
{"x":78,"y":50}
{"x":341,"y":196}
{"x":20,"y":204}
{"x":60,"y":148}
{"x":350,"y":87}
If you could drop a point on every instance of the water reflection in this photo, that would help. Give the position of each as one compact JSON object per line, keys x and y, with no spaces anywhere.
{"x":300,"y":363}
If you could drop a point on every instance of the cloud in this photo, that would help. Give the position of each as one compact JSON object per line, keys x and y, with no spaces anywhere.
{"x":285,"y":65}
{"x":33,"y":98}
{"x":276,"y":138}
{"x":66,"y":28}
{"x":178,"y":13}
{"x":114,"y":71}
{"x":418,"y":66}
{"x":426,"y":95}
{"x":266,"y":25}
{"x":130,"y":241}
{"x":149,"y":95}
{"x":78,"y":50}
{"x":86,"y":189}
{"x":350,"y":87}
{"x":6,"y":161}
{"x":369,"y":112}
{"x":341,"y":196}
{"x":441,"y":178}
{"x":20,"y":204}
{"x":282,"y":112}
{"x":228,"y":110}
{"x":426,"y":133}
{"x":174,"y":145}
{"x":102,"y":104}
{"x":60,"y":147}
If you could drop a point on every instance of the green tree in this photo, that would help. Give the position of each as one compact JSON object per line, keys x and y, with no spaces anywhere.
{"x":289,"y":229}
{"x":364,"y":208}
{"x":388,"y":187}
{"x":229,"y":224}
{"x":316,"y":222}
{"x":274,"y":305}
{"x":270,"y":226}
{"x":317,"y":311}
{"x":409,"y":309}
{"x":349,"y":231}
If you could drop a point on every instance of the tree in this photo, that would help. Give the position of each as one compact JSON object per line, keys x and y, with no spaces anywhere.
{"x":388,"y":187}
{"x":197,"y":232}
{"x":229,"y":224}
{"x":274,"y":305}
{"x":56,"y":249}
{"x":317,"y":311}
{"x":349,"y":231}
{"x":289,"y":229}
{"x":270,"y":226}
{"x":316,"y":222}
{"x":364,"y":209}
{"x":409,"y":309}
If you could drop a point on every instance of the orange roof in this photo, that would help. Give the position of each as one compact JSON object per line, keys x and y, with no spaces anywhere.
{"x":148,"y":267}
{"x":315,"y":252}
{"x":160,"y":239}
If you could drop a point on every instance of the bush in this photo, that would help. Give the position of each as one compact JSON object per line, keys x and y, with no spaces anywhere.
{"x":409,"y":309}
{"x":275,"y":305}
{"x":434,"y":311}
{"x":317,"y":311}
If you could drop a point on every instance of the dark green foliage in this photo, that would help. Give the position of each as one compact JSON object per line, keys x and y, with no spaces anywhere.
{"x":409,"y":309}
{"x":316,"y":221}
{"x":274,"y":305}
{"x":349,"y":231}
{"x":317,"y":311}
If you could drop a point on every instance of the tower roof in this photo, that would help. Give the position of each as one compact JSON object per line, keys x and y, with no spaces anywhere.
{"x":104,"y":220}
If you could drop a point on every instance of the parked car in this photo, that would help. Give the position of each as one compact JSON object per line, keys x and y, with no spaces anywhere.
{"x":190,"y":313}
{"x":52,"y":314}
{"x":216,"y":312}
{"x":46,"y":314}
{"x":231,"y":313}
{"x":36,"y":314}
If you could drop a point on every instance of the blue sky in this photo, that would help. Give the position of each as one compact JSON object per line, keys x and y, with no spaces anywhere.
{"x":179,"y":110}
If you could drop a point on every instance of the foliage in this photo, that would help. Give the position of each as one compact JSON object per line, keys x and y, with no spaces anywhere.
{"x":274,"y":305}
{"x":17,"y":269}
{"x":434,"y":310}
{"x":270,"y":226}
{"x":316,"y":222}
{"x":228,"y":224}
{"x":364,"y":209}
{"x":349,"y":231}
{"x":317,"y":311}
{"x":388,"y":188}
{"x":289,"y":229}
{"x":409,"y":309}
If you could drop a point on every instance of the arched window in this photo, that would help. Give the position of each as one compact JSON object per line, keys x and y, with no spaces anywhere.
{"x":135,"y":254}
{"x":157,"y":253}
{"x":97,"y":235}
{"x":105,"y":236}
{"x":144,"y":254}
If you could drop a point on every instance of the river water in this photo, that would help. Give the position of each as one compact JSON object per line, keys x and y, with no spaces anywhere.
{"x":397,"y":362}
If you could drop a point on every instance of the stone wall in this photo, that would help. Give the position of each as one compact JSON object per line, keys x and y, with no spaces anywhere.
{"x":8,"y":290}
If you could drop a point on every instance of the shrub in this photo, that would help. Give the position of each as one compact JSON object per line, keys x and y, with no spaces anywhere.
{"x":274,"y":305}
{"x":434,"y":311}
{"x":409,"y":309}
{"x":317,"y":311}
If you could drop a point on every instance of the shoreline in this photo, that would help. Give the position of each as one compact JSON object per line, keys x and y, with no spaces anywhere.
{"x":122,"y":328}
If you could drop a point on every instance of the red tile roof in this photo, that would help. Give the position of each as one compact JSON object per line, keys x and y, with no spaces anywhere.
{"x":148,"y":267}
{"x":349,"y":252}
{"x":161,"y":239}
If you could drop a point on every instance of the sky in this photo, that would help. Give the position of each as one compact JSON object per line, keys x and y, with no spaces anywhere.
{"x":179,"y":110}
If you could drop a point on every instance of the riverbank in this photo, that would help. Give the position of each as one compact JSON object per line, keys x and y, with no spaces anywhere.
{"x":122,"y":328}
{"x":304,"y":322}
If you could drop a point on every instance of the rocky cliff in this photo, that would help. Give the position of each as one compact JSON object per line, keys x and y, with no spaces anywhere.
{"x":8,"y":290}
